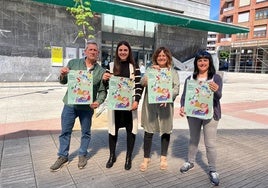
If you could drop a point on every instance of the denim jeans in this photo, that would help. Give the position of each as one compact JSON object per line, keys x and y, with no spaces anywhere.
{"x":68,"y":116}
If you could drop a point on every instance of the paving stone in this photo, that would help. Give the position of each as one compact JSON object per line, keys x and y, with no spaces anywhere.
{"x":28,"y":145}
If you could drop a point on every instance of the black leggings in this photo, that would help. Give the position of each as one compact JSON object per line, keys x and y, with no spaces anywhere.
{"x":148,"y":137}
{"x":130,"y":142}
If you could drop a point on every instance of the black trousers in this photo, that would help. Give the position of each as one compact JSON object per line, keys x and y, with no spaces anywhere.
{"x":130,"y":142}
{"x":148,"y":138}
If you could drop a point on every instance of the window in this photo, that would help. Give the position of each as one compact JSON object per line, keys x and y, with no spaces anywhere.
{"x":230,"y":4}
{"x":259,"y":1}
{"x":243,"y":17}
{"x":229,"y":19}
{"x":244,"y":3}
{"x":261,"y":14}
{"x":127,"y":25}
{"x":260,"y":31}
{"x":227,"y":35}
{"x":212,"y":36}
{"x":242,"y":36}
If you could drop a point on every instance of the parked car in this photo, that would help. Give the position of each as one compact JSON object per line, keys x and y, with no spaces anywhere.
{"x":223,"y":65}
{"x":245,"y":63}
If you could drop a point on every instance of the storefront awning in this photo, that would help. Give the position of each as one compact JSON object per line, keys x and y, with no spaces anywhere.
{"x":153,"y":15}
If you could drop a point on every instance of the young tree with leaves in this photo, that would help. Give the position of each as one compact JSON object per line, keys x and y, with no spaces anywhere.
{"x":83,"y":18}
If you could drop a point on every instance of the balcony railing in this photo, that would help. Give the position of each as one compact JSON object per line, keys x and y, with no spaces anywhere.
{"x":226,"y":39}
{"x":211,"y":45}
{"x":212,"y":39}
{"x":254,"y":69}
{"x":228,"y":9}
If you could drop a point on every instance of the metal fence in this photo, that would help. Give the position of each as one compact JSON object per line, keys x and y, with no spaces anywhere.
{"x":249,"y":69}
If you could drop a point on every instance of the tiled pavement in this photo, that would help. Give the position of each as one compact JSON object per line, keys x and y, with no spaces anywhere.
{"x":30,"y":125}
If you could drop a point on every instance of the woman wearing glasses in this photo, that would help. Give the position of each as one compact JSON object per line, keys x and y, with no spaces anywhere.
{"x":204,"y":70}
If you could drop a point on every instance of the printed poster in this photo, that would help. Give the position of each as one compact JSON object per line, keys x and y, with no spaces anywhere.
{"x":56,"y":56}
{"x":80,"y":87}
{"x":159,"y":85}
{"x":81,"y":53}
{"x":70,"y":53}
{"x":120,"y":93}
{"x":198,"y":100}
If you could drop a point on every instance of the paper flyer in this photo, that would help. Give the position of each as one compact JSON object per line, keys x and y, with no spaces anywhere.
{"x":198,"y":100}
{"x":120,"y":93}
{"x":159,"y":85}
{"x":80,"y":87}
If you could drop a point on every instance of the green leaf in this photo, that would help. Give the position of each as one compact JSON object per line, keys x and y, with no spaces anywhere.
{"x":82,"y":15}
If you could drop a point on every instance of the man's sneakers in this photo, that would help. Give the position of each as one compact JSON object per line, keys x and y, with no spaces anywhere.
{"x":82,"y":162}
{"x":58,"y":164}
{"x":61,"y":161}
{"x":214,"y":178}
{"x":186,"y":167}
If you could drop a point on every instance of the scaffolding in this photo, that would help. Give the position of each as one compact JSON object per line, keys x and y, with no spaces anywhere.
{"x":249,"y":56}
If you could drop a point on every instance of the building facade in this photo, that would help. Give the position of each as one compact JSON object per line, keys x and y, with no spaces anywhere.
{"x":211,"y":42}
{"x":28,"y":31}
{"x":146,"y":36}
{"x":248,"y":51}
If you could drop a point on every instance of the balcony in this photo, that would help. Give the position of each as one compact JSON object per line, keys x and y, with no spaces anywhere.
{"x":228,"y":9}
{"x":229,"y":39}
{"x":211,"y":38}
{"x":211,"y":45}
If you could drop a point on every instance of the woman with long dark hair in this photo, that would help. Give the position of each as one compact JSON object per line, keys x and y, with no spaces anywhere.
{"x":124,"y":66}
{"x":204,"y":70}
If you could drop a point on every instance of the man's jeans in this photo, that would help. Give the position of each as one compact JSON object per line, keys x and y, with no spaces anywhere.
{"x":68,"y":116}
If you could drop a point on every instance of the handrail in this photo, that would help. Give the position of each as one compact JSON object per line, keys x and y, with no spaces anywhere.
{"x":251,"y":69}
{"x":262,"y":61}
{"x":263,"y":49}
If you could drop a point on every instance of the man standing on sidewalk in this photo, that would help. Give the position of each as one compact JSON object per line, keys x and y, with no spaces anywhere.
{"x":84,"y":112}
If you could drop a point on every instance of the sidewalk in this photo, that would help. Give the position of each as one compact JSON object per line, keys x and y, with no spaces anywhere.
{"x":30,"y":125}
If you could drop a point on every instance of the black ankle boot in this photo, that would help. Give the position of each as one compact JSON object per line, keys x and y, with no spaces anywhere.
{"x":111,"y":161}
{"x":128,"y":163}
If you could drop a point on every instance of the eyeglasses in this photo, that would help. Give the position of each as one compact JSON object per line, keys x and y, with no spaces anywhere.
{"x":203,"y":54}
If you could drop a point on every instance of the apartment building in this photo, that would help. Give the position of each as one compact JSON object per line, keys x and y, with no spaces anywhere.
{"x":248,"y":51}
{"x":211,"y":42}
